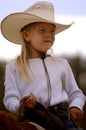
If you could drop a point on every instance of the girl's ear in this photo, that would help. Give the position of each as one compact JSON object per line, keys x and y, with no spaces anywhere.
{"x":26,"y":35}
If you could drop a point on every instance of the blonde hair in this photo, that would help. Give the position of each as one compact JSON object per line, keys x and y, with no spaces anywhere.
{"x":22,"y":62}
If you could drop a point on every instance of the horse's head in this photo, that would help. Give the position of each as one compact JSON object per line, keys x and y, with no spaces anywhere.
{"x":10,"y":122}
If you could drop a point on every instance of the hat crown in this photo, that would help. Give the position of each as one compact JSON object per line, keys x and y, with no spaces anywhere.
{"x":42,"y":9}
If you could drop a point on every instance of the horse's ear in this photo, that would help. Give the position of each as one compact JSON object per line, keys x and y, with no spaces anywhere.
{"x":4,"y":122}
{"x":14,"y":124}
{"x":8,"y":121}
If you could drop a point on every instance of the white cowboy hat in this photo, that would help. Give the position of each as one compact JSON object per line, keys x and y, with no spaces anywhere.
{"x":39,"y":12}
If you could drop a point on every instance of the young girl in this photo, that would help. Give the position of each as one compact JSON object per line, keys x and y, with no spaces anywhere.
{"x":36,"y":75}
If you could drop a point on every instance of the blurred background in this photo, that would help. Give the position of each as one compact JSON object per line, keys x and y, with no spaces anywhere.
{"x":70,"y":44}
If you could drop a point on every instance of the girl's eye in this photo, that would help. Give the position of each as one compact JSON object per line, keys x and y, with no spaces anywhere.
{"x":41,"y":30}
{"x":53,"y":31}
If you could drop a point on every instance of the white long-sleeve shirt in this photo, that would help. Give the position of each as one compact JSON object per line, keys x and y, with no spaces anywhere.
{"x":63,"y":85}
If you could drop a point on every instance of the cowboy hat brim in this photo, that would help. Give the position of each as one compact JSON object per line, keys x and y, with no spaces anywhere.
{"x":12,"y":24}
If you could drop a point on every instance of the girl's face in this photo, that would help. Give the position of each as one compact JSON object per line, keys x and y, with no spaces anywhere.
{"x":41,"y":37}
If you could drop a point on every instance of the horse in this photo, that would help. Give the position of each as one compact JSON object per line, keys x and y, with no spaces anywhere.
{"x":9,"y":121}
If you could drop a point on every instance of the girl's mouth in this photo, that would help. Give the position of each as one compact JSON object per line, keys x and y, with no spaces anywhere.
{"x":47,"y":41}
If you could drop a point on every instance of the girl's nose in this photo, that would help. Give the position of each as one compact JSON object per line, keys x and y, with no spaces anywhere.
{"x":48,"y":34}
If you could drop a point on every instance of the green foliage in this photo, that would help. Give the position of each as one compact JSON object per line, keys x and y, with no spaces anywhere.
{"x":2,"y":78}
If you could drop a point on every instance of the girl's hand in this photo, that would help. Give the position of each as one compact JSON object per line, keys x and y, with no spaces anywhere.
{"x":74,"y":113}
{"x":23,"y":99}
{"x":31,"y":101}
